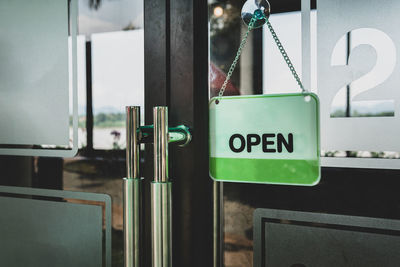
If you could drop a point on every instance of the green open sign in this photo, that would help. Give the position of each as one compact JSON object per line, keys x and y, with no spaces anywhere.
{"x":271,"y":139}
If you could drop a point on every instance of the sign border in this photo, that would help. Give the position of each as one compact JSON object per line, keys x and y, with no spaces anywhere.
{"x":313,"y":95}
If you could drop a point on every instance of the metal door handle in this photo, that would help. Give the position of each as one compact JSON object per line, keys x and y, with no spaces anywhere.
{"x":161,"y":187}
{"x":180,"y":134}
{"x":132,"y":192}
{"x":161,"y":193}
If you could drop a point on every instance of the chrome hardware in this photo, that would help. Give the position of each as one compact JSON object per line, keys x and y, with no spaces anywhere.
{"x":132,"y":191}
{"x":161,"y":193}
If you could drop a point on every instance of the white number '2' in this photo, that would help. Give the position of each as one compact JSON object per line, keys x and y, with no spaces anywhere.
{"x":372,"y":60}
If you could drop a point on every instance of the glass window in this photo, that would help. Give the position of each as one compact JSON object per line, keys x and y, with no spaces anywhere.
{"x":261,"y":66}
{"x":114,"y":32}
{"x":110,"y":77}
{"x":118,"y":81}
{"x":81,"y":62}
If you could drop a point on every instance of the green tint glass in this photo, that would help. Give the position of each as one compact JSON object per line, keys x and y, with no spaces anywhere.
{"x":271,"y":139}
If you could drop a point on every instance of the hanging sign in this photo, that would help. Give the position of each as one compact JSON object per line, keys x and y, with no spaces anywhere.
{"x":271,"y":139}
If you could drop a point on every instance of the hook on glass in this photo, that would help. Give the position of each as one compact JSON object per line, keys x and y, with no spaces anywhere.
{"x":260,"y":9}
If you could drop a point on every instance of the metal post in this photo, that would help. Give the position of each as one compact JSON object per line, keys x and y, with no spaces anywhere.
{"x":161,"y":215}
{"x":218,"y":223}
{"x":132,"y":187}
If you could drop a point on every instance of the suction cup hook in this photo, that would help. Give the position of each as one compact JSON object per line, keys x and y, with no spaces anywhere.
{"x":260,"y":8}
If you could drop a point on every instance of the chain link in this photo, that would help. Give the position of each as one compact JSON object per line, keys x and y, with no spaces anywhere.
{"x":285,"y":56}
{"x":235,"y":61}
{"x":239,"y":52}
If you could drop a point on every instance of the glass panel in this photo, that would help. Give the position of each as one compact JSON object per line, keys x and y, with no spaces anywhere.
{"x":357,"y":64}
{"x":299,"y":239}
{"x":341,"y":190}
{"x":278,"y":79}
{"x":113,"y":30}
{"x":54,"y":228}
{"x":39,"y":74}
{"x":81,"y":51}
{"x":43,"y":61}
{"x":118,"y":81}
{"x":96,"y":16}
{"x":357,"y":80}
{"x":261,"y":69}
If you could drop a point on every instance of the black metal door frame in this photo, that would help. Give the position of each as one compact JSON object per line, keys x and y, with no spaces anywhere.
{"x":176,"y":75}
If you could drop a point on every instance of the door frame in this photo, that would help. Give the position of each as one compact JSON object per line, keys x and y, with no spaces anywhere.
{"x":176,"y":75}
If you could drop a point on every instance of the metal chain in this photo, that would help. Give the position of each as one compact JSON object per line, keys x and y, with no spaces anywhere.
{"x":235,"y":61}
{"x":281,"y":50}
{"x":285,"y":56}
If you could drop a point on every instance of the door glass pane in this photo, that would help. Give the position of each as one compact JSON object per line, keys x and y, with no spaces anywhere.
{"x":115,"y":30}
{"x":38,"y":73}
{"x":81,"y":62}
{"x":112,"y":32}
{"x":42,"y":227}
{"x":110,"y":76}
{"x":118,"y":81}
{"x":262,"y":70}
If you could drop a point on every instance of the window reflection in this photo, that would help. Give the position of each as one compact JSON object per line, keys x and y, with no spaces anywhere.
{"x":81,"y":64}
{"x":96,"y":16}
{"x":277,"y":76}
{"x":226,"y":31}
{"x":261,"y":69}
{"x":118,"y":81}
{"x":112,"y":32}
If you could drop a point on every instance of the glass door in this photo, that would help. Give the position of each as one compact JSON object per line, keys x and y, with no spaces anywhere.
{"x":109,"y":76}
{"x":274,"y":225}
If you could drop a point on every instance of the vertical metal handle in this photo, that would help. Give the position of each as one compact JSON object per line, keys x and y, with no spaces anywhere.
{"x":160,"y":117}
{"x":161,"y":197}
{"x":132,"y":191}
{"x":132,"y":142}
